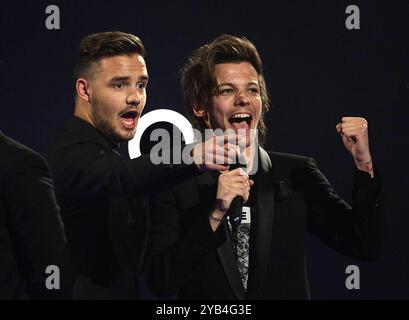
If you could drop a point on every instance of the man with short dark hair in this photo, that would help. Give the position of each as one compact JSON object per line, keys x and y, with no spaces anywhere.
{"x":201,"y":248}
{"x":102,"y":194}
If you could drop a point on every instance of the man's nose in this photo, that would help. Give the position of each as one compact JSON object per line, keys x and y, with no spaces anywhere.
{"x":134,"y":98}
{"x":242,"y":98}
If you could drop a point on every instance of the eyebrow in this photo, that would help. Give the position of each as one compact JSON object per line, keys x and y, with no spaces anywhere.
{"x":231,"y":84}
{"x":117,"y":79}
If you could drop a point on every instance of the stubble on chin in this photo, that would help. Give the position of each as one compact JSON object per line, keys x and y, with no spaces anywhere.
{"x":106,"y":128}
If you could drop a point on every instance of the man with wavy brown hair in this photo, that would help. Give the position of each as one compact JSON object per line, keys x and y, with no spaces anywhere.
{"x":196,"y":247}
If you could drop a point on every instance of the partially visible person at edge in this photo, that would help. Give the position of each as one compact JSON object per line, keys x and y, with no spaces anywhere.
{"x":34,"y":261}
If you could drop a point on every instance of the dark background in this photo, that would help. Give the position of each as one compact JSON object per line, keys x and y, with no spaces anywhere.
{"x":317,"y":71}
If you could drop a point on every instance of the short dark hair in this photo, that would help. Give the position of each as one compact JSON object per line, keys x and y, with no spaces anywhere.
{"x":97,"y":46}
{"x":198,"y":79}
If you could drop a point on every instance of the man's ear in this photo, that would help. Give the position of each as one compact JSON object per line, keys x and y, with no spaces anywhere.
{"x":200,"y":112}
{"x":82,"y":88}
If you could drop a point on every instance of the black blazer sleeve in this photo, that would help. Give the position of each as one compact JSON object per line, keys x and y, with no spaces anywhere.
{"x":87,"y":170}
{"x":35,"y":227}
{"x":176,"y":246}
{"x":354,"y":231}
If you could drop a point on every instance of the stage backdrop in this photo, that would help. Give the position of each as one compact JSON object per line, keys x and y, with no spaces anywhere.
{"x":317,"y":71}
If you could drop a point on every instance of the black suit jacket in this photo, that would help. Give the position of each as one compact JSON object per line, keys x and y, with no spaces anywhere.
{"x":292,"y":197}
{"x":31,"y":231}
{"x":103,"y":203}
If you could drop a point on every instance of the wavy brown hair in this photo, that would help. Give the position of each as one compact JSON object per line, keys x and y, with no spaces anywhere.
{"x":198,"y":79}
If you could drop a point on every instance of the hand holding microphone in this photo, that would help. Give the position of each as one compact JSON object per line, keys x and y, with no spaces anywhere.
{"x":232,"y":186}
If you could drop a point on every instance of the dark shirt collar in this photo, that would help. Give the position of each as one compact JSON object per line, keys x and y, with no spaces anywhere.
{"x":115,"y":148}
{"x":91,"y":132}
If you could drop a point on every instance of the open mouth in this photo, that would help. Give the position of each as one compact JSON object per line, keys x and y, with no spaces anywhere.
{"x":128,"y":119}
{"x":241,"y":121}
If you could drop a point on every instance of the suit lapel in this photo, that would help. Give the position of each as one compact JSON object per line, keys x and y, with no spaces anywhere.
{"x":229,"y":262}
{"x":207,"y":187}
{"x":260,"y":249}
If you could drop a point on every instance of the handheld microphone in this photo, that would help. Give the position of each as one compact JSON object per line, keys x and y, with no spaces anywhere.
{"x":236,"y":206}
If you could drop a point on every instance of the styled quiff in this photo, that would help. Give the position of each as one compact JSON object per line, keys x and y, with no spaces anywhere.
{"x":97,"y":46}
